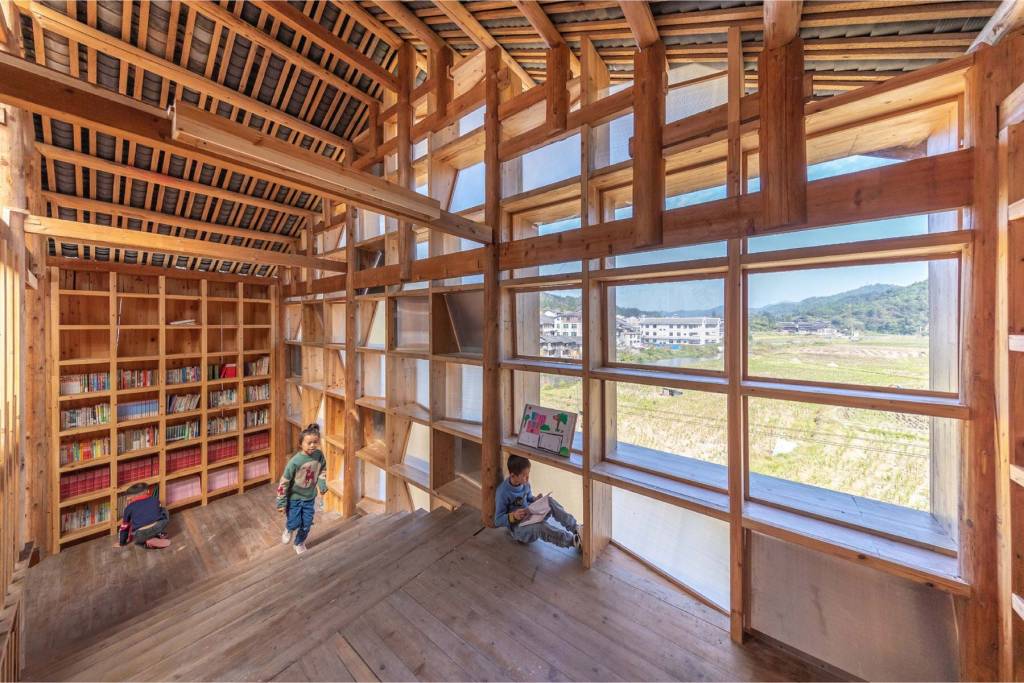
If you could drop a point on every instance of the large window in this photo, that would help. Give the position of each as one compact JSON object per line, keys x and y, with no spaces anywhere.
{"x":549,"y":324}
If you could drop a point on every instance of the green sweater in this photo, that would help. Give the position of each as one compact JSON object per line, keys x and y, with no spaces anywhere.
{"x":303,"y":476}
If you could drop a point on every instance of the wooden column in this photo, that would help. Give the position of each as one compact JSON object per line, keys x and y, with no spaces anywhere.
{"x":406,"y":79}
{"x":444,"y":85}
{"x":781,"y":138}
{"x":490,"y":466}
{"x":991,"y":78}
{"x":353,"y":423}
{"x":648,"y":160}
{"x":556,"y":92}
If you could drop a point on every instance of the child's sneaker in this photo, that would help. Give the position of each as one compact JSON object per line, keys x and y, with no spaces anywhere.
{"x":577,"y":540}
{"x":286,"y":537}
{"x":299,"y":548}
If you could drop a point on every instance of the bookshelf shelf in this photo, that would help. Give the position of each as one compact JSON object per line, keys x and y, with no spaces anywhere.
{"x":126,"y":330}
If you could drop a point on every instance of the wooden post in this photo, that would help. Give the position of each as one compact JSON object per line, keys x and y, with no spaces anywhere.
{"x":556,"y":92}
{"x":353,"y":421}
{"x":781,"y":137}
{"x":444,"y":85}
{"x":406,"y":78}
{"x":648,"y":160}
{"x":490,"y":451}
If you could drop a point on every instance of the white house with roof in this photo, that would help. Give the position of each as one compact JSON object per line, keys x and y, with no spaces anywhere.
{"x":670,"y":331}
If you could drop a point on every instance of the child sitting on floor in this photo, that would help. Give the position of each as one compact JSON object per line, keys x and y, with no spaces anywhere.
{"x":510,"y":508}
{"x":144,"y":520}
{"x":305,"y":473}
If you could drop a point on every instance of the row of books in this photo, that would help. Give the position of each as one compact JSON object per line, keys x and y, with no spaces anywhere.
{"x":86,"y":515}
{"x":184,"y":458}
{"x":140,"y":468}
{"x":185,"y":375}
{"x":138,"y":439}
{"x":259,"y":467}
{"x":182,"y":403}
{"x":257,"y":417}
{"x":184,"y":488}
{"x":222,"y":425}
{"x":222,"y":450}
{"x":135,"y":379}
{"x":84,"y":382}
{"x":256,"y":442}
{"x":84,"y":450}
{"x":122,"y":499}
{"x":224,"y":397}
{"x":86,"y":416}
{"x":80,"y":483}
{"x":260,"y":366}
{"x":257,"y":392}
{"x":222,"y":479}
{"x":135,"y":410}
{"x":222,"y":371}
{"x":183,"y":431}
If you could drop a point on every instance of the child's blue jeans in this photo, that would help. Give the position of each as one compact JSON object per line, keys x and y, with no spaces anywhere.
{"x":300,"y":518}
{"x":546,"y":531}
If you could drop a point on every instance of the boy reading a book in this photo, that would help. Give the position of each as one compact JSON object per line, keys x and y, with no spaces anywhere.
{"x":144,"y":520}
{"x":517,"y":509}
{"x":305,"y":474}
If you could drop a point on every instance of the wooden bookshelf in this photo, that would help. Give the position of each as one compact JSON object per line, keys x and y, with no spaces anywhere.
{"x":133,"y":330}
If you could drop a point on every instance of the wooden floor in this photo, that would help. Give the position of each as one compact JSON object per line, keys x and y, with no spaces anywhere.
{"x":410,"y":596}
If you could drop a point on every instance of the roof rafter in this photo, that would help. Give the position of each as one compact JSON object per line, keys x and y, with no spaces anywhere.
{"x":465,"y":20}
{"x":641,"y":22}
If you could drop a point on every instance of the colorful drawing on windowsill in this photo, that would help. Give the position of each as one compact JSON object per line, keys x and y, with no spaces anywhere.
{"x":547,"y":430}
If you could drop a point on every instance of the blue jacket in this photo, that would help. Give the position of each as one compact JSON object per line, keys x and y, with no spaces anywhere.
{"x":509,"y":498}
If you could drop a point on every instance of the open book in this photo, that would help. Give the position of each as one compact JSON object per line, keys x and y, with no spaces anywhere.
{"x":538,"y":510}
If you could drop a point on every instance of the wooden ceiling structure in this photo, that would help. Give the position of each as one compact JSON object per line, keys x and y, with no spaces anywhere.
{"x":316,"y":76}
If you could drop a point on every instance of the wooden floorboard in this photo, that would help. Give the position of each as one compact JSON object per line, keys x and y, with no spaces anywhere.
{"x":430,"y":597}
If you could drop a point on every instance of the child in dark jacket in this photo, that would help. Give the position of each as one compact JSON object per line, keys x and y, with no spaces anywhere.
{"x":305,"y":474}
{"x":510,"y":503}
{"x":144,"y":520}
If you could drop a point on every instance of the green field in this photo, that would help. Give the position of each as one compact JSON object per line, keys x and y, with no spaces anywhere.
{"x":877,"y":455}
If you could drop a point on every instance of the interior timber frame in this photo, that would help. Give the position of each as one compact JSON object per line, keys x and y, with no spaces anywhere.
{"x":403,"y":318}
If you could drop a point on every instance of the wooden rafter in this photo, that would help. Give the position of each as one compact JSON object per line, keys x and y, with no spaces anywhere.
{"x":1008,"y":17}
{"x":408,"y":20}
{"x":465,"y":20}
{"x":641,"y":22}
{"x":546,"y":29}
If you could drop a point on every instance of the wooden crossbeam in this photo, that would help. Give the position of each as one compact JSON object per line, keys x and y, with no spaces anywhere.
{"x":120,"y":238}
{"x":156,"y":217}
{"x":469,"y":24}
{"x":641,"y":22}
{"x":546,"y":29}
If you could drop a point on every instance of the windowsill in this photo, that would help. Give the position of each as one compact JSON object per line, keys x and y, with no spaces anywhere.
{"x":684,"y":468}
{"x":574,"y":463}
{"x":672,"y":491}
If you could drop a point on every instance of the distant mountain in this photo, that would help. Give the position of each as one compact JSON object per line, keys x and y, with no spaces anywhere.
{"x":885,"y":309}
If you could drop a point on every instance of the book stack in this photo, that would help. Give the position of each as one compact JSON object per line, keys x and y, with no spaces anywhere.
{"x":140,"y":468}
{"x":256,"y":442}
{"x":86,"y":416}
{"x":257,"y":417}
{"x":224,"y":478}
{"x":222,"y":425}
{"x":222,"y":450}
{"x":84,"y":383}
{"x":259,"y":467}
{"x":84,"y":450}
{"x":182,"y":403}
{"x":222,"y":371}
{"x":135,"y":379}
{"x":122,"y":499}
{"x":224,"y":397}
{"x":184,"y":375}
{"x":260,"y":366}
{"x":82,"y":516}
{"x":137,"y":439}
{"x":135,"y":410}
{"x":257,"y":392}
{"x":184,"y":458}
{"x":184,"y":488}
{"x":183,"y":431}
{"x":75,"y":484}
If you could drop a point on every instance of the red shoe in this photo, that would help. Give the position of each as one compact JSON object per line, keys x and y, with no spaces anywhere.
{"x":157,"y":543}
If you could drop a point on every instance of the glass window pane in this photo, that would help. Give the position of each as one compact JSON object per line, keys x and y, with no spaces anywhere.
{"x":549,"y":391}
{"x":669,"y":324}
{"x":412,"y":324}
{"x":549,"y":324}
{"x":856,"y":232}
{"x":469,"y":188}
{"x":544,"y":166}
{"x":892,"y":325}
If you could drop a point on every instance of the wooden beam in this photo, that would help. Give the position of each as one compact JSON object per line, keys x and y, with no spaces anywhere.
{"x":345,"y":53}
{"x":548,"y":32}
{"x":411,"y":23}
{"x":1008,"y":17}
{"x":781,"y":135}
{"x":555,"y":87}
{"x":128,"y":54}
{"x":465,"y":20}
{"x":648,"y":160}
{"x":130,"y":213}
{"x":406,"y":179}
{"x":137,"y":240}
{"x":781,"y":22}
{"x":641,"y":22}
